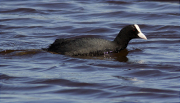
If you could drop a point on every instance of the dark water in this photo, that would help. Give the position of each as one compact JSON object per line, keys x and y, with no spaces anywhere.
{"x":148,"y":71}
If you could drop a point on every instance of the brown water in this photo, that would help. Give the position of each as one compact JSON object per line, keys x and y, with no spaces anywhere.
{"x":148,"y":71}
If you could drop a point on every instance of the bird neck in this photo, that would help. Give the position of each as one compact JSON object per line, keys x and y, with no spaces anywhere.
{"x":122,"y":40}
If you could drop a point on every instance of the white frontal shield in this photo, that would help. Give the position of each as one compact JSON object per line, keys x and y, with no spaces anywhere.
{"x":140,"y":34}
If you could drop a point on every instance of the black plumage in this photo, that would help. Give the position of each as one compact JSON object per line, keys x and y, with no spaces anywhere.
{"x":96,"y":46}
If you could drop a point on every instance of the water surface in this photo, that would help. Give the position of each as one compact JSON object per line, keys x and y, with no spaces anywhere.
{"x":148,"y":71}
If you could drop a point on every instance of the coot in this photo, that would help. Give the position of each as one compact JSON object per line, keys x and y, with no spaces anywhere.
{"x":96,"y":46}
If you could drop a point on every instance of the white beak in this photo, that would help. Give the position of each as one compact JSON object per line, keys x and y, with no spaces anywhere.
{"x":140,"y":34}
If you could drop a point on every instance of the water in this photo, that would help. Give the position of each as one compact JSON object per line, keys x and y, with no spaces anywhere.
{"x":148,"y":71}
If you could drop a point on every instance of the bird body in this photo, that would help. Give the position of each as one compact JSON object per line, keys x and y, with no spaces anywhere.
{"x":96,"y":46}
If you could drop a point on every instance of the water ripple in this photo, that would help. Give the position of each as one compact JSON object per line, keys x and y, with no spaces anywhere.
{"x":147,"y":71}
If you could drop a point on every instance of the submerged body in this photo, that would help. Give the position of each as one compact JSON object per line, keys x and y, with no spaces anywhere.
{"x":83,"y":46}
{"x":96,"y":46}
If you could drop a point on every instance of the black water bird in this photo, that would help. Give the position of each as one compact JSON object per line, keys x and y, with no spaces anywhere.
{"x":96,"y":46}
